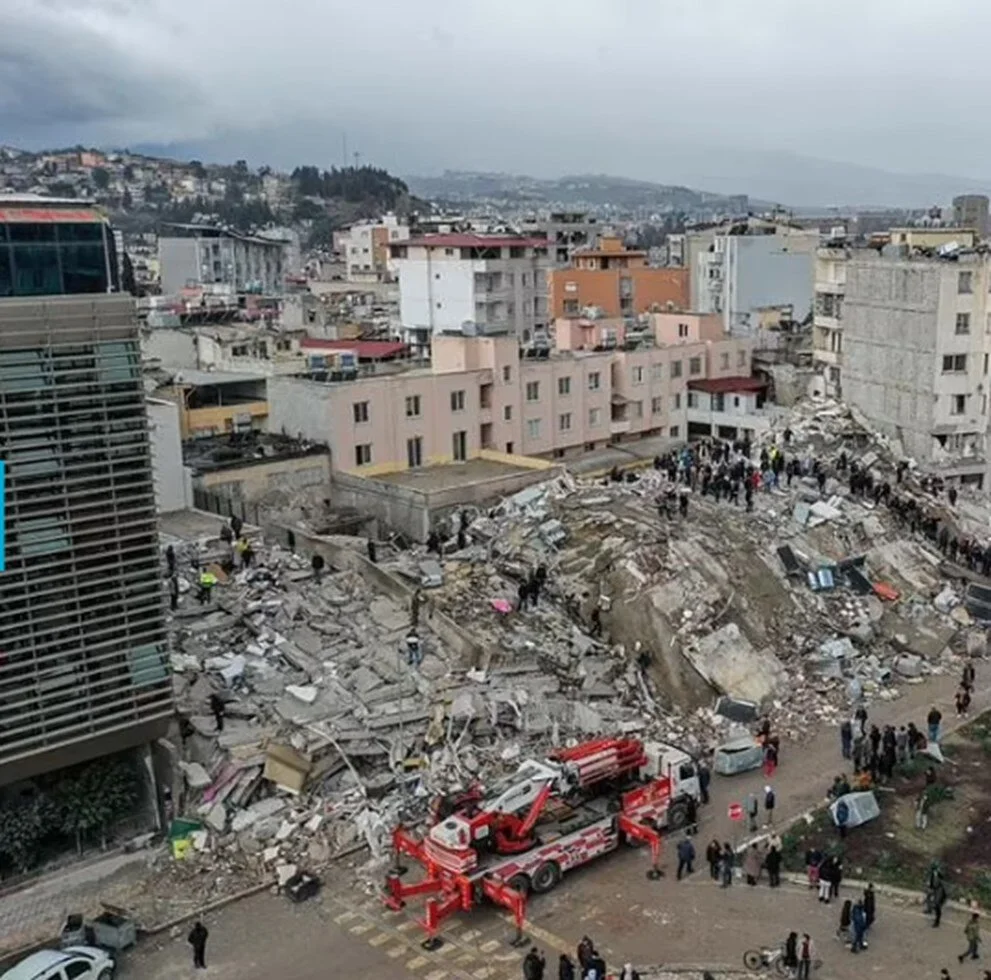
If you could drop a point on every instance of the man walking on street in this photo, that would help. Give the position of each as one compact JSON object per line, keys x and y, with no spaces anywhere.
{"x":533,"y":965}
{"x":686,"y":855}
{"x":805,"y":955}
{"x":858,"y":926}
{"x":726,"y":864}
{"x":773,"y":864}
{"x":197,"y":939}
{"x":938,"y":900}
{"x":713,"y":854}
{"x":933,"y":719}
{"x":769,"y":801}
{"x":846,"y":739}
{"x":972,"y":932}
{"x":753,"y":808}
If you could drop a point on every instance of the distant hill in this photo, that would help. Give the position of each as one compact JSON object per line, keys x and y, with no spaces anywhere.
{"x":584,"y":190}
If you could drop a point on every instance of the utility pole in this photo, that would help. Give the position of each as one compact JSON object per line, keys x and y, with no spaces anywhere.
{"x":344,"y":150}
{"x":357,"y":159}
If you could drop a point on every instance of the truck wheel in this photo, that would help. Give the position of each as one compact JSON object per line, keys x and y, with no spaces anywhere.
{"x":546,"y":877}
{"x":520,"y":883}
{"x":677,"y":816}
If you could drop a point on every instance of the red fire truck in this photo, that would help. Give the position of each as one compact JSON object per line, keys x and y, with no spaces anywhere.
{"x":522,"y":833}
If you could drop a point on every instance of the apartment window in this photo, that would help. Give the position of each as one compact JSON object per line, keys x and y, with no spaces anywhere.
{"x":533,"y":428}
{"x":656,"y":405}
{"x":593,"y":381}
{"x":657,"y":371}
{"x":360,"y":411}
{"x":676,"y":401}
{"x":507,"y":374}
{"x":958,"y":404}
{"x":636,"y":375}
{"x":507,"y":413}
{"x":741,"y":358}
{"x":676,"y":369}
{"x":459,"y":446}
{"x":965,"y":282}
{"x":509,"y":277}
{"x":412,"y":406}
{"x":682,"y":330}
{"x":571,"y":307}
{"x":363,"y":454}
{"x":414,"y":452}
{"x":985,"y":364}
{"x":564,"y":386}
{"x":693,"y":400}
{"x":637,"y":410}
{"x":564,"y":422}
{"x":695,"y":365}
{"x":533,"y":391}
{"x":724,"y":360}
{"x":954,"y":363}
{"x":963,"y":324}
{"x":523,"y":280}
{"x":673,"y":432}
{"x":594,"y":415}
{"x":458,"y":400}
{"x":448,"y":251}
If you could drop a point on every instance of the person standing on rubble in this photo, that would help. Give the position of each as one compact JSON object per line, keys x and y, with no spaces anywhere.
{"x":173,"y":593}
{"x":317,"y":564}
{"x":170,"y":561}
{"x":206,"y":582}
{"x":414,"y":650}
{"x":968,"y":677}
{"x":683,"y":501}
{"x":218,"y":709}
{"x":372,"y":549}
{"x":860,"y":716}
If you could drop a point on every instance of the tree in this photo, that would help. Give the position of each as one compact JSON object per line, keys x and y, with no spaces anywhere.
{"x":100,"y":177}
{"x":95,"y":796}
{"x":199,"y":171}
{"x":126,"y":201}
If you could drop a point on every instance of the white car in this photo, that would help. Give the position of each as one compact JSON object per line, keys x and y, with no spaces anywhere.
{"x":71,"y":963}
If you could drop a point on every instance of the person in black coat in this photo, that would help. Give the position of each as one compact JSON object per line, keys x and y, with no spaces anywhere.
{"x":565,"y":968}
{"x":197,"y":939}
{"x":870,"y":908}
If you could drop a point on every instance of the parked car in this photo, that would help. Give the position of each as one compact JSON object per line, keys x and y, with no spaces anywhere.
{"x":71,"y":963}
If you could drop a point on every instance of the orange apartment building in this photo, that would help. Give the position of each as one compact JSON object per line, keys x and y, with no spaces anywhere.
{"x":602,"y":383}
{"x":616,"y":280}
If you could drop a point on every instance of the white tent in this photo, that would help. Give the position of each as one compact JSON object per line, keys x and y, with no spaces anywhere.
{"x":862,"y":807}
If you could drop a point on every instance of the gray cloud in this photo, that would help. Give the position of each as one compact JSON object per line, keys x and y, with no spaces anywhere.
{"x":751,"y":95}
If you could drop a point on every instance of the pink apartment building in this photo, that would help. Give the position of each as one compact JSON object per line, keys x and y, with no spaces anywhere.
{"x":599,"y":384}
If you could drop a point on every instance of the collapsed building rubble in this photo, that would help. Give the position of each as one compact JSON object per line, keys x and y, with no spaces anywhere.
{"x":682,"y":630}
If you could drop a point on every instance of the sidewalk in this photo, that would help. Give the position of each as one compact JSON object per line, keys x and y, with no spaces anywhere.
{"x":806,"y":771}
{"x":37,"y":911}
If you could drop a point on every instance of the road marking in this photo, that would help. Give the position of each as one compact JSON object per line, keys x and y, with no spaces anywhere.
{"x":345,"y":917}
{"x":490,"y":946}
{"x":436,"y":975}
{"x":417,"y":963}
{"x":407,"y":926}
{"x":396,"y":952}
{"x":361,"y":928}
{"x":465,"y":958}
{"x":470,"y":936}
{"x":380,"y":940}
{"x":484,"y":973}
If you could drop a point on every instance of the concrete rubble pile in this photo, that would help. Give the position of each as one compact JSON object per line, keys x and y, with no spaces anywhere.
{"x":680,"y":630}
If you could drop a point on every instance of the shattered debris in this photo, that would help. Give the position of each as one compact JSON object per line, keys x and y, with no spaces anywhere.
{"x":335,"y":725}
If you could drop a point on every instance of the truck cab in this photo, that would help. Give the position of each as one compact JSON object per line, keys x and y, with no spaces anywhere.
{"x":681,"y":772}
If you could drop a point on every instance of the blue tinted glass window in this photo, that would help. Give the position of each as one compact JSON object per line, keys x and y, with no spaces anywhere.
{"x":29,"y":232}
{"x":3,"y":233}
{"x":36,"y":271}
{"x":84,"y":268}
{"x":6,"y":279}
{"x":80,"y":231}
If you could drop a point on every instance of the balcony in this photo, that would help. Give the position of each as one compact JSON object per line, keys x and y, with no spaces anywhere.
{"x":618,"y":427}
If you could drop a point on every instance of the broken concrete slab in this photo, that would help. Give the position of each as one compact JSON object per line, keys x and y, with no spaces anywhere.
{"x":728,"y":661}
{"x":195,"y":775}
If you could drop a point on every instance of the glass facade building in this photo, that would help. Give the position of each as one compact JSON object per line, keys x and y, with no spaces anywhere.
{"x":83,"y":646}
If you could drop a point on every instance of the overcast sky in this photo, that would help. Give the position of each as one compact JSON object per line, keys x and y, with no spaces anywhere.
{"x":702,"y":92}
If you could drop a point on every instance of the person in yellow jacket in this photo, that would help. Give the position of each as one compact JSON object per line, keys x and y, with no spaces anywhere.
{"x":207,"y":581}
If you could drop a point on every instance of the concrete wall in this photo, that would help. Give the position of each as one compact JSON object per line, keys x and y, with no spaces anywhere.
{"x":414,"y":511}
{"x":889,"y":339}
{"x":179,"y":262}
{"x":173,"y":490}
{"x":254,"y":481}
{"x":762,"y":271}
{"x":174,"y":348}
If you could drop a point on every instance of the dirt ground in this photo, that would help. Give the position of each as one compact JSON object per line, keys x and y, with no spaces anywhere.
{"x":891,"y":850}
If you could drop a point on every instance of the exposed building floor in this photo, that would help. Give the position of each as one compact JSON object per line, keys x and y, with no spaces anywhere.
{"x":450,"y":476}
{"x":190,"y":525}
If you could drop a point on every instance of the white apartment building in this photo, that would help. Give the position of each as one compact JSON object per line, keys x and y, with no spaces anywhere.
{"x":743,"y":267}
{"x":364,"y":248}
{"x":564,"y":231}
{"x":827,"y":330}
{"x":496,"y":282}
{"x":915,"y":354}
{"x":225,"y":348}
